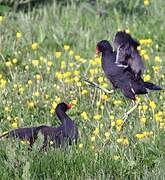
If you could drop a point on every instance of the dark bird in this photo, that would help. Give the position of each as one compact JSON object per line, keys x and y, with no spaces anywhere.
{"x":29,"y":134}
{"x":127,"y":52}
{"x":122,"y":78}
{"x":67,"y":132}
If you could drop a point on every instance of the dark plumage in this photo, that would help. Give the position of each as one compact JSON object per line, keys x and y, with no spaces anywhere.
{"x":121,"y":77}
{"x":66,"y":132}
{"x":29,"y":134}
{"x":127,"y":53}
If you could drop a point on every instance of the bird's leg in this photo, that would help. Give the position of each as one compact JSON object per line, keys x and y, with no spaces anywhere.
{"x":125,"y":117}
{"x":93,"y":84}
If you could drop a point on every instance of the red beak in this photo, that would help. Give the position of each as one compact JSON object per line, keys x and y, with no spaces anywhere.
{"x":97,"y":51}
{"x":69,"y":106}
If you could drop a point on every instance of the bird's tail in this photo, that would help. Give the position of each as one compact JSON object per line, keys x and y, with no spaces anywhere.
{"x":152,"y":86}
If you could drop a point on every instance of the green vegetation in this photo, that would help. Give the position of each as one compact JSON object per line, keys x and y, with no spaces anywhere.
{"x":45,"y":51}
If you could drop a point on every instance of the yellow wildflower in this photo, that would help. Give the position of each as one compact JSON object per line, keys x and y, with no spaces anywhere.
{"x":146,"y":57}
{"x":97,"y":117}
{"x":8,"y":63}
{"x":139,"y":136}
{"x":63,"y":65}
{"x":71,"y":52}
{"x":147,"y":77}
{"x":50,"y":63}
{"x":51,"y":142}
{"x":76,"y":79}
{"x":84,"y":91}
{"x":38,"y":77}
{"x":66,"y":47}
{"x":93,"y":138}
{"x":35,"y":62}
{"x":116,"y":157}
{"x":145,"y":107}
{"x":14,"y":125}
{"x":100,"y":79}
{"x":96,"y":131}
{"x":107,"y":135}
{"x":30,"y":104}
{"x":157,"y":59}
{"x":113,"y":123}
{"x":125,"y":141}
{"x":25,"y":142}
{"x":152,"y":104}
{"x":77,"y":57}
{"x":143,"y":120}
{"x":15,"y":61}
{"x":146,"y":2}
{"x":80,"y":146}
{"x":30,"y":82}
{"x":34,"y":46}
{"x":18,"y":35}
{"x":58,"y":54}
{"x":84,"y":115}
{"x":1,"y":18}
{"x":119,"y":122}
{"x":37,"y":94}
{"x":52,"y":111}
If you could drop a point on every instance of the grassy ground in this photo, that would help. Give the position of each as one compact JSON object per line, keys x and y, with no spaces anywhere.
{"x":44,"y":54}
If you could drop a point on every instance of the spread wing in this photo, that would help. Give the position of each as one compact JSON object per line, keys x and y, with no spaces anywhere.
{"x":127,"y":53}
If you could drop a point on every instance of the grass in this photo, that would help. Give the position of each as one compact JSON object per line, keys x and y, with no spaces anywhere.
{"x":33,"y":81}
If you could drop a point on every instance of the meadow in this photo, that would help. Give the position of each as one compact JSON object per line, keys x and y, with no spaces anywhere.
{"x":45,"y":52}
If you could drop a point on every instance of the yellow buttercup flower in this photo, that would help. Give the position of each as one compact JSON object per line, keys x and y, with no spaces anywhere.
{"x":119,"y":122}
{"x":140,"y":136}
{"x":113,"y":123}
{"x":80,"y":146}
{"x":96,"y":131}
{"x":152,"y":104}
{"x":15,"y":61}
{"x":1,"y":18}
{"x":93,"y":138}
{"x":97,"y":117}
{"x":107,"y":135}
{"x":66,"y":47}
{"x":37,"y":94}
{"x":84,"y":115}
{"x":71,"y":52}
{"x":38,"y":77}
{"x":18,"y":35}
{"x":30,"y":82}
{"x":116,"y":157}
{"x":146,"y":2}
{"x":147,"y":78}
{"x":8,"y":63}
{"x":157,"y":59}
{"x":51,"y":142}
{"x":58,"y":54}
{"x":25,"y":142}
{"x":50,"y":63}
{"x":30,"y":104}
{"x":146,"y":57}
{"x":35,"y":62}
{"x":14,"y":125}
{"x":34,"y":46}
{"x":143,"y":120}
{"x":84,"y":91}
{"x":77,"y":57}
